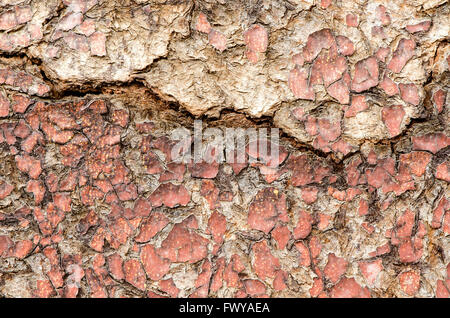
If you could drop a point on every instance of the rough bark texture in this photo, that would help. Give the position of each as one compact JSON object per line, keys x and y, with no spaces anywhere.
{"x":92,"y":206}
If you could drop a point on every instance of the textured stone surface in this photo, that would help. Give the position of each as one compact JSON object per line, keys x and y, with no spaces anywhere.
{"x":93,"y":205}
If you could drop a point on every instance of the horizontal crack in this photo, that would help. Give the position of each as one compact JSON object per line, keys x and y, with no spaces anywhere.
{"x":228,"y":117}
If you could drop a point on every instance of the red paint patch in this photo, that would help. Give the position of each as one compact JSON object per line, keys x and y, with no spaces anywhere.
{"x":339,"y":90}
{"x":409,"y":282}
{"x":322,"y":39}
{"x":44,"y":289}
{"x":298,"y":83}
{"x":97,"y":43}
{"x":304,"y":255}
{"x":335,"y":268}
{"x":256,"y":38}
{"x":264,"y":264}
{"x":29,"y":165}
{"x":203,"y":24}
{"x":371,"y":270}
{"x":430,"y":142}
{"x":351,"y":20}
{"x":403,"y":53}
{"x":115,"y":266}
{"x":155,"y":223}
{"x":389,"y":87}
{"x":304,"y":225}
{"x":38,"y":190}
{"x":419,"y":27}
{"x":134,"y":274}
{"x":254,"y":288}
{"x":349,"y":288}
{"x":439,"y":98}
{"x":6,"y":189}
{"x":382,"y":15}
{"x":268,"y":206}
{"x":443,"y":171}
{"x":217,"y":40}
{"x":281,"y":234}
{"x":183,"y":244}
{"x":170,"y":195}
{"x":439,"y":212}
{"x":4,"y":106}
{"x":358,"y":104}
{"x":409,"y":93}
{"x":155,"y":266}
{"x":366,"y":75}
{"x":325,"y":3}
{"x":309,"y":194}
{"x":345,"y":45}
{"x":393,"y":117}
